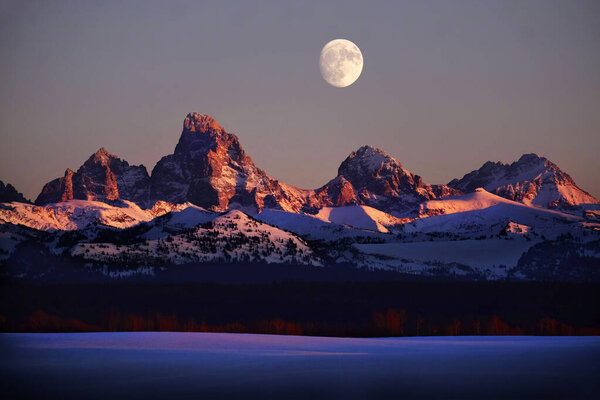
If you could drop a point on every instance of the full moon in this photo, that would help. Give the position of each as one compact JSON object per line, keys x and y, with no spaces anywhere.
{"x":341,"y":63}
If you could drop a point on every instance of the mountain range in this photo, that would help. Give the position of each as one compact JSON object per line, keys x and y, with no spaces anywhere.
{"x":210,"y":168}
{"x":209,"y":202}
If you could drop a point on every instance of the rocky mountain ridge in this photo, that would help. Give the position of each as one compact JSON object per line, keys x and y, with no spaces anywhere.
{"x":210,"y":168}
{"x":531,"y":180}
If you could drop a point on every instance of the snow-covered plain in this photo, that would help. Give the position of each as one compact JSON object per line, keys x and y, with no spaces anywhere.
{"x":211,"y":365}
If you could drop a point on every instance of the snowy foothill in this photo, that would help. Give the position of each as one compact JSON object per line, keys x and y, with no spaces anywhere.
{"x":78,"y":214}
{"x":478,"y":235}
{"x":233,"y":236}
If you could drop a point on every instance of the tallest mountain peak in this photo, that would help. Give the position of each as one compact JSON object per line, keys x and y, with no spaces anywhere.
{"x":210,"y":168}
{"x":195,"y":122}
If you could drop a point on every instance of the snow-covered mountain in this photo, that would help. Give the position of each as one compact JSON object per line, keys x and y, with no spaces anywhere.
{"x":481,"y":211}
{"x":532,"y":180}
{"x":102,"y":177}
{"x":210,"y":168}
{"x":473,"y":236}
{"x":482,"y":235}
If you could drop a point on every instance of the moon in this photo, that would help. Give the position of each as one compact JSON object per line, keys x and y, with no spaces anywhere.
{"x":341,"y":63}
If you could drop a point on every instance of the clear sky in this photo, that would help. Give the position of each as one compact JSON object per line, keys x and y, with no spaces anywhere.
{"x":445,"y":87}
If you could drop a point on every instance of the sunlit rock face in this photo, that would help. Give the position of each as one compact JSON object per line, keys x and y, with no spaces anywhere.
{"x":103,"y":176}
{"x":211,"y":169}
{"x":532,"y":180}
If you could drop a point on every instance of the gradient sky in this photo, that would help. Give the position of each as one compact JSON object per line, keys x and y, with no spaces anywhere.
{"x":446,"y":85}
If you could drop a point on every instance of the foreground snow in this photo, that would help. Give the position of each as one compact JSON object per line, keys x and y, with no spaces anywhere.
{"x":212,"y":365}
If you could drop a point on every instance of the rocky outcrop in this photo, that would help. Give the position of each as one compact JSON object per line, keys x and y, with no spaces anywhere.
{"x":210,"y":168}
{"x":532,"y":180}
{"x":103,"y":176}
{"x":8,"y":194}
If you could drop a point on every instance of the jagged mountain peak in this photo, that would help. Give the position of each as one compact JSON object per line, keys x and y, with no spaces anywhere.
{"x":103,"y":176}
{"x":201,"y":134}
{"x":210,"y":168}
